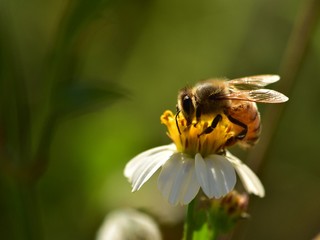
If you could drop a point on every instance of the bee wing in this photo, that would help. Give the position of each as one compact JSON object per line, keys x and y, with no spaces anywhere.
{"x":254,"y":82}
{"x":258,"y":95}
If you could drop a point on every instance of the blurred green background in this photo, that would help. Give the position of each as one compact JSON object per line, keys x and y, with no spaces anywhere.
{"x":83,"y":84}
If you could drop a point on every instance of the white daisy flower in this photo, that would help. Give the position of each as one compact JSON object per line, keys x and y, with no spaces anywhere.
{"x":122,"y":224}
{"x":191,"y":162}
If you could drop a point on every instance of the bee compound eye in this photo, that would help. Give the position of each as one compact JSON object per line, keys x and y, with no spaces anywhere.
{"x":187,"y":104}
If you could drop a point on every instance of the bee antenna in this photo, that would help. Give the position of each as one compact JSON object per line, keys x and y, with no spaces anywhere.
{"x":176,"y":117}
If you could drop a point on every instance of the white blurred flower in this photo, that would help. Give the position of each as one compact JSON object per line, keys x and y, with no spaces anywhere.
{"x":192,"y":162}
{"x":128,"y":224}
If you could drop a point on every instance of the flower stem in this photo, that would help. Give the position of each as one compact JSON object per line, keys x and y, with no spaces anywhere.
{"x":188,"y":226}
{"x":199,"y":224}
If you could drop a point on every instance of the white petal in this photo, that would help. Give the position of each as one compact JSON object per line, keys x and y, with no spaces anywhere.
{"x":249,"y":179}
{"x":134,"y":162}
{"x":203,"y":175}
{"x":144,"y":165}
{"x":215,"y":174}
{"x":177,"y":180}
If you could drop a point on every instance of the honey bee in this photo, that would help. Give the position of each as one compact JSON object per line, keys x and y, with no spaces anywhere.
{"x":236,"y":99}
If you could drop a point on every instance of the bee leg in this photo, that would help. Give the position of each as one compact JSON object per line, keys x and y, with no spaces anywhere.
{"x":198,"y":115}
{"x":213,"y":125}
{"x":243,"y":133}
{"x":176,"y":118}
{"x":231,"y":141}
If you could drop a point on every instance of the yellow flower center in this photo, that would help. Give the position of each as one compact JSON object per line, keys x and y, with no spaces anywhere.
{"x":191,"y":139}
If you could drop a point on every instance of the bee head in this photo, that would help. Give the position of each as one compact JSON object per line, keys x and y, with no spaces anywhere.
{"x":186,"y":104}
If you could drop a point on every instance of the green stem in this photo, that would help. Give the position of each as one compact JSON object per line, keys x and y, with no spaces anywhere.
{"x":292,"y":62}
{"x":29,"y":212}
{"x":201,"y":222}
{"x":189,"y":226}
{"x":17,"y":124}
{"x":215,"y":228}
